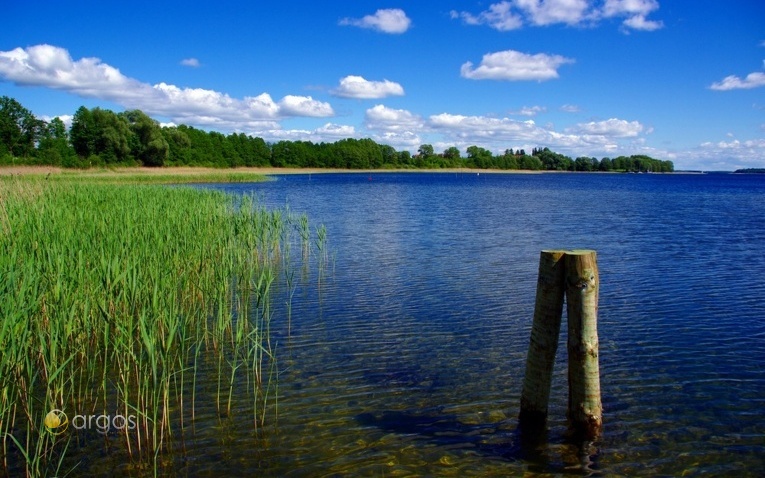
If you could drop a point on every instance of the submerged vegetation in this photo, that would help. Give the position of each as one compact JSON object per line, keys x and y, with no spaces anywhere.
{"x":100,"y":137}
{"x":116,"y":298}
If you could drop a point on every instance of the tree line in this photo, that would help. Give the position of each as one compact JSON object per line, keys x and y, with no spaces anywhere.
{"x":101,"y":137}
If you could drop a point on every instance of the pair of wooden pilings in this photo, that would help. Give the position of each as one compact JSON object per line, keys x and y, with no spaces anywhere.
{"x":573,"y":275}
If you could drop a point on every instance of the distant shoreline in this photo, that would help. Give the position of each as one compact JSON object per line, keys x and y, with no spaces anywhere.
{"x":192,"y":171}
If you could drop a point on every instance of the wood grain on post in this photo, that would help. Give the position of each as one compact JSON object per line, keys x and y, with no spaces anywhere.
{"x":585,"y":411}
{"x":545,"y":330}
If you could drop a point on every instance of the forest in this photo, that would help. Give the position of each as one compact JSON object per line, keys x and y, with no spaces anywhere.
{"x":100,"y":137}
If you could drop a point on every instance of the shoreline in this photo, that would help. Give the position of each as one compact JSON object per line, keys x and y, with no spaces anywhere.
{"x":208,"y":173}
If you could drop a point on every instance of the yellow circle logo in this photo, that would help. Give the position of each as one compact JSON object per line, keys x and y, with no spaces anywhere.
{"x":56,"y":422}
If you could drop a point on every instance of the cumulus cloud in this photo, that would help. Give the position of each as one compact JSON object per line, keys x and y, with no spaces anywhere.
{"x":547,"y":12}
{"x":614,"y":128}
{"x":530,"y":110}
{"x":498,"y":134}
{"x":513,"y":65}
{"x":386,"y":20}
{"x":732,"y":82}
{"x":404,"y":140}
{"x":358,"y":87}
{"x":396,"y":127}
{"x":725,"y":155}
{"x":486,"y":127}
{"x":66,"y":119}
{"x":50,"y":66}
{"x":498,"y":16}
{"x":639,"y":22}
{"x":514,"y":14}
{"x":53,"y":67}
{"x":329,"y":132}
{"x":192,"y":62}
{"x":292,"y":105}
{"x":636,"y":12}
{"x":339,"y":131}
{"x":381,"y":117}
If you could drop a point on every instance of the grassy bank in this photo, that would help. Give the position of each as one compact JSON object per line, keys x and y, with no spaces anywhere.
{"x":136,"y":175}
{"x":113,"y":296}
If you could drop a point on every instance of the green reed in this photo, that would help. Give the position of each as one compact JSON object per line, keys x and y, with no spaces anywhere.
{"x":113,"y":296}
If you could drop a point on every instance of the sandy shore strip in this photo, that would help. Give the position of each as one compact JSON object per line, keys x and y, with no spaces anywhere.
{"x":202,"y":171}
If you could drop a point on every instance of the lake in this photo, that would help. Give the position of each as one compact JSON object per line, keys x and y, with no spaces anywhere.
{"x":406,"y":350}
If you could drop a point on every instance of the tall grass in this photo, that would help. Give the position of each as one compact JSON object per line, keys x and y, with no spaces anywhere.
{"x":113,"y":296}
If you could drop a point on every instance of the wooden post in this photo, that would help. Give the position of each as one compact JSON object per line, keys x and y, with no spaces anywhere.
{"x":585,"y":411}
{"x":544,"y":342}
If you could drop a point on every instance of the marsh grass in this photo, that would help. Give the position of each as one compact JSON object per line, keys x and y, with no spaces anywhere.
{"x":114,"y":297}
{"x":130,"y":176}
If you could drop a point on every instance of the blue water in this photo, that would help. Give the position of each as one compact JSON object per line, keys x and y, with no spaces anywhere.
{"x":406,"y":350}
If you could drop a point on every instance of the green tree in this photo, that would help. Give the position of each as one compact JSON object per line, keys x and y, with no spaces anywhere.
{"x":479,"y":157}
{"x":54,"y":147}
{"x":584,"y":163}
{"x":148,"y":145}
{"x":452,"y":153}
{"x":532,"y":163}
{"x":179,"y":145}
{"x":19,"y":129}
{"x":113,"y":136}
{"x":83,"y":132}
{"x":101,"y":134}
{"x":389,"y":155}
{"x":508,"y":160}
{"x":426,"y":151}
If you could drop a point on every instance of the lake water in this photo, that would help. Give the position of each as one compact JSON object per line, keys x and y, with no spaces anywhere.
{"x":406,"y":354}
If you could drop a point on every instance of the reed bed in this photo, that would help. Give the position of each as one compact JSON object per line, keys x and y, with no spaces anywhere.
{"x":113,"y":298}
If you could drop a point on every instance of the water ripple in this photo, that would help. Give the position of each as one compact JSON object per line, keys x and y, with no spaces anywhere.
{"x":413,"y":360}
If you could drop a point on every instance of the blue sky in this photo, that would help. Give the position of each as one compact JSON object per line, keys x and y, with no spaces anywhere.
{"x":681,"y":80}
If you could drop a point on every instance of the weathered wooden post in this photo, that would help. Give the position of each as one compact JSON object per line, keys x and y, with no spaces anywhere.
{"x":544,"y":341}
{"x":573,"y":275}
{"x":585,"y":411}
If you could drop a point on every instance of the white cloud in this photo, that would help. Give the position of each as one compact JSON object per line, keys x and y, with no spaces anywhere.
{"x":50,"y":66}
{"x":570,"y":109}
{"x":381,"y":117}
{"x":395,"y":127}
{"x":725,"y":155}
{"x":497,"y":134}
{"x":614,"y":8}
{"x":192,"y":62}
{"x":639,"y":22}
{"x":485,"y":127}
{"x":513,"y":14}
{"x":338,"y":131}
{"x":499,"y":16}
{"x":613,"y":128}
{"x":53,"y":67}
{"x":66,"y":119}
{"x":357,"y":87}
{"x":530,"y":110}
{"x":329,"y":132}
{"x":513,"y":65}
{"x":405,"y":140}
{"x":387,"y":20}
{"x":732,"y":82}
{"x":636,"y":12}
{"x":546,"y":12}
{"x":292,"y":105}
